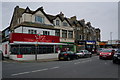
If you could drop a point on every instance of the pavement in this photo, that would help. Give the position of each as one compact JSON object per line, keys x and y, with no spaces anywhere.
{"x":39,"y":60}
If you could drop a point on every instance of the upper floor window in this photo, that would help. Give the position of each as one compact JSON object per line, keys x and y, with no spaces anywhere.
{"x":39,"y":19}
{"x":57,"y":32}
{"x":70,"y":34}
{"x":46,"y":33}
{"x":57,"y":22}
{"x":65,"y":24}
{"x":64,"y":33}
{"x":30,"y":31}
{"x":80,"y":37}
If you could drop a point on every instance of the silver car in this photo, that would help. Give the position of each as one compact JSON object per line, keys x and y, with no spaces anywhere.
{"x":83,"y":53}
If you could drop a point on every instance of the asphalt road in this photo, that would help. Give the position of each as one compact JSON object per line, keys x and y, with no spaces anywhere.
{"x":80,"y":68}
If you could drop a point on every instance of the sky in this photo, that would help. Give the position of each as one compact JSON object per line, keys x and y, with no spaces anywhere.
{"x":103,"y":15}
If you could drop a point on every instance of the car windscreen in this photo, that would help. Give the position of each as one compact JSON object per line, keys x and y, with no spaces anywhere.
{"x":118,"y":51}
{"x":106,"y":50}
{"x":68,"y":52}
{"x":80,"y":51}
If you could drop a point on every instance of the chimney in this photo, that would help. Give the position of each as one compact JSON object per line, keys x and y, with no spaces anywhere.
{"x":61,"y":14}
{"x":16,"y":7}
{"x":73,"y":18}
{"x":82,"y":20}
{"x":41,"y":8}
{"x":88,"y":24}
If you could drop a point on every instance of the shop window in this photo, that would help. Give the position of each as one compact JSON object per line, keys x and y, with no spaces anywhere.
{"x":64,"y":33}
{"x":46,"y":33}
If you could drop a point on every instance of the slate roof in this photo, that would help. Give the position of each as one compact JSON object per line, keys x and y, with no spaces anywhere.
{"x":19,"y":11}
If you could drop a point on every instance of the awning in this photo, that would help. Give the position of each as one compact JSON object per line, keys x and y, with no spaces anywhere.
{"x":41,"y":43}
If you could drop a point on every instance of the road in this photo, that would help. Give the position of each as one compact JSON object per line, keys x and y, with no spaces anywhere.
{"x":80,"y":68}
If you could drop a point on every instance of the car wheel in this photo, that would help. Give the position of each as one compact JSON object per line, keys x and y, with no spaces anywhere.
{"x":77,"y":57}
{"x":114,"y":61}
{"x":68,"y":59}
{"x":90,"y":55}
{"x":100,"y":58}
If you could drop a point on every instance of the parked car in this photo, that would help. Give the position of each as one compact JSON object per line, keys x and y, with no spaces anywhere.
{"x":83,"y":53}
{"x":68,"y":55}
{"x":107,"y":54}
{"x":1,"y":55}
{"x":116,"y":57}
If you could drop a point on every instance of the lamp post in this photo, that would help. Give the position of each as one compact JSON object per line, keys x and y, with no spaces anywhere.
{"x":111,"y":37}
{"x":36,"y":47}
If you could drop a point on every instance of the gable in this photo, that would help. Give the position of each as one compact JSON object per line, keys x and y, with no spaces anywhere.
{"x":65,"y":22}
{"x":41,"y":14}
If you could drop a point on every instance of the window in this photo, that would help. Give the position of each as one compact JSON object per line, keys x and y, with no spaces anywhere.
{"x":80,"y":37}
{"x":30,"y":31}
{"x":46,"y":33}
{"x":70,"y":34}
{"x":39,"y":19}
{"x":57,"y":32}
{"x":65,"y":24}
{"x":64,"y":34}
{"x":57,"y":22}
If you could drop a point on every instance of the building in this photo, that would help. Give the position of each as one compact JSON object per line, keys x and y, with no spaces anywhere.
{"x":36,"y":32}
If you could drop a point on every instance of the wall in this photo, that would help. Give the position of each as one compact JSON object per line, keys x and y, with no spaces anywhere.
{"x":39,"y":30}
{"x":32,"y":57}
{"x":6,"y":48}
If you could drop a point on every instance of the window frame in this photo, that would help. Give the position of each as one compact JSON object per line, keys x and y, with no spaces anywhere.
{"x":65,"y":24}
{"x":64,"y":33}
{"x":46,"y":32}
{"x":70,"y":34}
{"x":38,"y":21}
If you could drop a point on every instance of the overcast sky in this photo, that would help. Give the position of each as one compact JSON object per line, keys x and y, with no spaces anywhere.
{"x":103,"y":15}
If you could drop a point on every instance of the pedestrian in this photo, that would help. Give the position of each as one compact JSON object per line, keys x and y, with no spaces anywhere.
{"x":59,"y":51}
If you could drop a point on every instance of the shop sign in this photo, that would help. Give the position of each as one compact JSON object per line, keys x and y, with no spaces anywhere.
{"x":90,"y":42}
{"x":19,"y":56}
{"x":33,"y":38}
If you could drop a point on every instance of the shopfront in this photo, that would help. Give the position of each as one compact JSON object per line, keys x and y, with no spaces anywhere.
{"x":88,"y":45}
{"x":32,"y":44}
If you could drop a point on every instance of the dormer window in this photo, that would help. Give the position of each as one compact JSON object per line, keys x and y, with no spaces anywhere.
{"x":65,"y":24}
{"x":57,"y":22}
{"x":39,"y":19}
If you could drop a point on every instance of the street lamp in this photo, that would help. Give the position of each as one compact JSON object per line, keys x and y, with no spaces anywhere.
{"x":36,"y":45}
{"x":111,"y":37}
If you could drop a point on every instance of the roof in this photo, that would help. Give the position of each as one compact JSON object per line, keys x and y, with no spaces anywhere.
{"x":19,"y":11}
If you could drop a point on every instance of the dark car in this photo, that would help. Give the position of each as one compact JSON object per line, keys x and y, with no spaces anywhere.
{"x":116,"y":57}
{"x":68,"y":55}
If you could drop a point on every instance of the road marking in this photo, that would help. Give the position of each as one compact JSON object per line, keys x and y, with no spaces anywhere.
{"x":20,"y":73}
{"x":39,"y":70}
{"x":33,"y":71}
{"x":83,"y":61}
{"x":54,"y":67}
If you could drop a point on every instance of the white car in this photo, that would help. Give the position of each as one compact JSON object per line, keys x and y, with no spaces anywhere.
{"x":83,"y":53}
